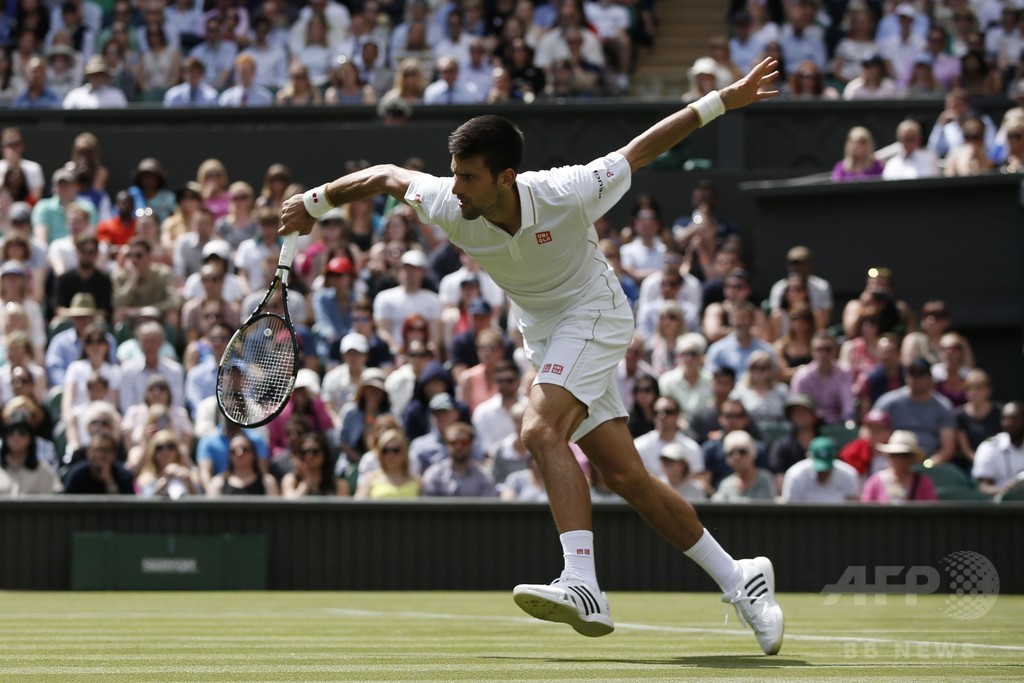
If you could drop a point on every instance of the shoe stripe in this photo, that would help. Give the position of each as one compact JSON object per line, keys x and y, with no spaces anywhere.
{"x":758,"y":590}
{"x":589,"y":603}
{"x":755,"y":579}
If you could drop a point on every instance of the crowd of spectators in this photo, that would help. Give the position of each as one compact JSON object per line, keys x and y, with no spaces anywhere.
{"x":87,"y":54}
{"x":413,"y":381}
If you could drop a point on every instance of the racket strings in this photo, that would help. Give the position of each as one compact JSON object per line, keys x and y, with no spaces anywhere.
{"x":257,"y":371}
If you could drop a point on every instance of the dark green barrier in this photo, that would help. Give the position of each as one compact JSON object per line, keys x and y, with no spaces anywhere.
{"x":111,"y":561}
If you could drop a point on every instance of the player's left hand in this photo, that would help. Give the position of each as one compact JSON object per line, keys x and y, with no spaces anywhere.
{"x":294,"y":217}
{"x":750,"y":88}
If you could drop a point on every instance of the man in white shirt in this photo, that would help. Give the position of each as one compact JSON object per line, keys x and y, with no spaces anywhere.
{"x":533,"y":232}
{"x":999,"y":461}
{"x":492,"y":419}
{"x":13,"y":148}
{"x":800,"y":260}
{"x":666,"y":430}
{"x":646,"y":252}
{"x":912,"y":160}
{"x":392,"y":306}
{"x":449,"y":89}
{"x":821,"y":477}
{"x":97,"y":93}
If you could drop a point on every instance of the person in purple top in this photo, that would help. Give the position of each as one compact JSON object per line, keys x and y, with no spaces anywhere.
{"x":858,"y":162}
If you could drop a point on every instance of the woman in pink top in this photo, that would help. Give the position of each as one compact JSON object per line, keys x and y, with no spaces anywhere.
{"x":477,"y":384}
{"x":898,"y":483}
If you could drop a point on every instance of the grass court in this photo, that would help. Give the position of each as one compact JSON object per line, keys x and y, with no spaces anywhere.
{"x":461,"y":636}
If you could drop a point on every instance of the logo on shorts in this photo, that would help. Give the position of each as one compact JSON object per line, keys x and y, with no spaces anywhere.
{"x":544,"y":237}
{"x":546,"y":368}
{"x":582,"y":551}
{"x":557,"y":369}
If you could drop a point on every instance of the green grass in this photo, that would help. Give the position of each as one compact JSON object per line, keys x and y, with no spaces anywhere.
{"x":484,"y":637}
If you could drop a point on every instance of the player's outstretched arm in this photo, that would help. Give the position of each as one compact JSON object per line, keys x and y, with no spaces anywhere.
{"x":668,"y":132}
{"x":299,"y":212}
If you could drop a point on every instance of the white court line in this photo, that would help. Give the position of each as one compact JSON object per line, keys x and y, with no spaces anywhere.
{"x":739,"y":633}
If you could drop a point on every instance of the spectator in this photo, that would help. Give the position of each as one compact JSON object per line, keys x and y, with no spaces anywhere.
{"x":380,"y":355}
{"x":734,"y":350}
{"x":978,"y":76}
{"x":999,"y":461}
{"x":159,"y":66}
{"x":213,"y":450}
{"x":894,"y":315}
{"x":314,"y":471}
{"x":643,"y":396}
{"x":243,"y":475}
{"x":431,"y":448}
{"x":97,"y":93}
{"x":902,"y":48}
{"x":370,"y":401}
{"x":119,"y":230}
{"x":194,"y":91}
{"x":1014,"y":148}
{"x":66,"y":346}
{"x":136,"y":372}
{"x":95,"y":358}
{"x":800,"y":261}
{"x":271,"y":58}
{"x":299,"y":91}
{"x":898,"y":482}
{"x":704,"y":420}
{"x":743,"y":46}
{"x":21,"y":471}
{"x":947,"y":134}
{"x":972,"y":157}
{"x":748,"y":482}
{"x":733,"y":417}
{"x":492,"y":418}
{"x":314,"y":52}
{"x":99,"y":473}
{"x":49,"y":215}
{"x":612,"y":23}
{"x":944,"y":66}
{"x":859,"y":354}
{"x":862,"y":453}
{"x":950,"y":373}
{"x":155,"y":412}
{"x":306,"y":401}
{"x":793,"y":349}
{"x":13,"y":145}
{"x":645,"y":254}
{"x":393,"y":478}
{"x":919,"y":409}
{"x":911,"y":160}
{"x":140,"y":283}
{"x":927,"y":342}
{"x":510,"y":454}
{"x":763,"y":397}
{"x":14,"y":289}
{"x":676,"y":468}
{"x":801,"y":39}
{"x":872,"y":84}
{"x":820,"y":477}
{"x":407,"y":90}
{"x":149,"y":189}
{"x":392,"y":306}
{"x":347,"y":87}
{"x":458,"y":475}
{"x":332,"y":307}
{"x":36,"y":95}
{"x":738,"y":293}
{"x":246,"y":92}
{"x":166,"y":470}
{"x":806,"y":82}
{"x":829,"y":385}
{"x":858,"y":161}
{"x":63,"y":71}
{"x":631,"y":369}
{"x":201,"y":378}
{"x":856,"y":46}
{"x":526,"y":484}
{"x":216,"y":54}
{"x":688,"y":383}
{"x":791,"y":447}
{"x":455,"y":39}
{"x":21,"y":367}
{"x":977,"y":419}
{"x":448,"y":88}
{"x":666,"y":430}
{"x":335,"y":14}
{"x":339,"y":384}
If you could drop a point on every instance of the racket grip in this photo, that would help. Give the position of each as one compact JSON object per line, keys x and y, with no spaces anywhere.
{"x":291,"y":240}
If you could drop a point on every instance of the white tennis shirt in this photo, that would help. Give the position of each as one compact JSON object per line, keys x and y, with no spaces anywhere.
{"x":552,"y":264}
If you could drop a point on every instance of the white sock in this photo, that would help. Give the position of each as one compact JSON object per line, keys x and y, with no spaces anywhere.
{"x":719,"y":564}
{"x":578,"y":551}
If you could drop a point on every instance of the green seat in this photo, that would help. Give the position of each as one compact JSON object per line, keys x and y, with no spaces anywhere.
{"x":1014,"y":495}
{"x":951,"y":482}
{"x":53,"y":399}
{"x":840,"y":433}
{"x":774,"y":430}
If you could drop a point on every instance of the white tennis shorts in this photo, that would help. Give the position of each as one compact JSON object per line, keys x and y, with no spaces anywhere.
{"x":580,"y":354}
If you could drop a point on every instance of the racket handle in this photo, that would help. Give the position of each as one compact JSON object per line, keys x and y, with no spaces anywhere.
{"x":291,"y":241}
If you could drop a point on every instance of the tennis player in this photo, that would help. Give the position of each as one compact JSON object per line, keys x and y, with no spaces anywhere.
{"x":533,"y":233}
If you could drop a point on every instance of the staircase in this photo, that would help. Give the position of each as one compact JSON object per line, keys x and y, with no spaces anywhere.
{"x":684,"y":30}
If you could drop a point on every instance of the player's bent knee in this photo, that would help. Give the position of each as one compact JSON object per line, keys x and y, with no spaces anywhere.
{"x":628,"y":481}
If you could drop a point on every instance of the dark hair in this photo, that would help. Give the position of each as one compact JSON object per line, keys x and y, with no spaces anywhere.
{"x":496,"y":139}
{"x":505,"y":365}
{"x":327,"y":479}
{"x":252,"y":447}
{"x":31,"y":457}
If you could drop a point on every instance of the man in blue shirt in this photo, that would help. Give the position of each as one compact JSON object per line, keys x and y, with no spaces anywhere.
{"x":36,"y":95}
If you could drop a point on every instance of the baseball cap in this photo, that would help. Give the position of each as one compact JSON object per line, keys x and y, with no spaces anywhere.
{"x":799,"y":253}
{"x":905,"y":9}
{"x":442,"y":401}
{"x":219,"y":248}
{"x":823,"y":453}
{"x":20,"y":212}
{"x":878,"y":417}
{"x":12,"y":268}
{"x":62,"y":174}
{"x":372,"y":377}
{"x":308,"y":379}
{"x":353,"y":341}
{"x":340,"y":265}
{"x":673,"y":451}
{"x":479,"y":307}
{"x":415,"y":258}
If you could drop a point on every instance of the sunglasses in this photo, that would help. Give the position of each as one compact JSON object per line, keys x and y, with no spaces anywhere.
{"x":310,"y":451}
{"x":737,"y":452}
{"x":166,"y":446}
{"x":459,"y":441}
{"x":665,"y":411}
{"x":387,"y":450}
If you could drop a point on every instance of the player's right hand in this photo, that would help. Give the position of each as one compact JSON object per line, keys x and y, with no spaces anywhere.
{"x":294,"y":217}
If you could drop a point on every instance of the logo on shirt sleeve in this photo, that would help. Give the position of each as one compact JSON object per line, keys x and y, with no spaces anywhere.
{"x":544,"y":237}
{"x":418,"y":198}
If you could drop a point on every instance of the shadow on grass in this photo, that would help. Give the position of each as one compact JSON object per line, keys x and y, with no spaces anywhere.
{"x":696,"y":661}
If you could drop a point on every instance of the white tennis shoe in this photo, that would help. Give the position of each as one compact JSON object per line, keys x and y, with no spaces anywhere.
{"x":755,"y":603}
{"x":568,"y":601}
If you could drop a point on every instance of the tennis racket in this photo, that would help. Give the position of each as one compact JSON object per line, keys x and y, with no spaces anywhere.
{"x":258,"y":368}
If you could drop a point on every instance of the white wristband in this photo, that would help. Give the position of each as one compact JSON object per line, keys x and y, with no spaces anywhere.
{"x":316,"y":201}
{"x":708,"y":108}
